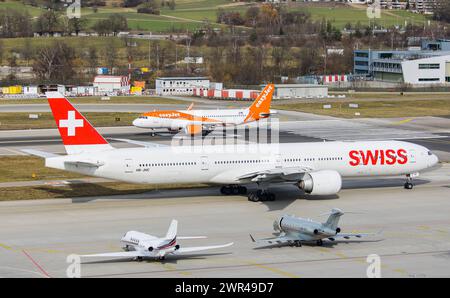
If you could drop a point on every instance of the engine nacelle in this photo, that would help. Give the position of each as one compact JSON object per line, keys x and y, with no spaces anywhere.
{"x":177,"y":247}
{"x":276,"y":225}
{"x":193,"y":129}
{"x":325,"y":182}
{"x":150,"y":248}
{"x":338,"y":230}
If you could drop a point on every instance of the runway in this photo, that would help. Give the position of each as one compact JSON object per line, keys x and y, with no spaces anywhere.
{"x":432,"y":132}
{"x":37,"y":236}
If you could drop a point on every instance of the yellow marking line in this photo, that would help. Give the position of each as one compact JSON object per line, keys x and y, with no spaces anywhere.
{"x":275,"y":270}
{"x":6,"y":246}
{"x":402,"y":121}
{"x":173,"y":268}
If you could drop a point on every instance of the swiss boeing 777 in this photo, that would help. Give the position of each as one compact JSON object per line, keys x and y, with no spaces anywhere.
{"x":316,"y":168}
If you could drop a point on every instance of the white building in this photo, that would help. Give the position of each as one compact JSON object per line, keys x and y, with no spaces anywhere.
{"x":111,"y":84}
{"x":300,"y":91}
{"x":180,"y":85}
{"x":433,"y":70}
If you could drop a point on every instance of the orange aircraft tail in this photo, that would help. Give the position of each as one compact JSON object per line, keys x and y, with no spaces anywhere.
{"x":261,"y":106}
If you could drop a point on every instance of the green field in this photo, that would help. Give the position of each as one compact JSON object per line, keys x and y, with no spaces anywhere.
{"x":189,"y":14}
{"x":22,"y":168}
{"x":340,"y":16}
{"x":17,"y":5}
{"x":28,"y":168}
{"x":374,"y":109}
{"x":10,"y":121}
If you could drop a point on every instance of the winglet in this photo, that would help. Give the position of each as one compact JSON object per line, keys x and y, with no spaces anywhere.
{"x":251,"y":237}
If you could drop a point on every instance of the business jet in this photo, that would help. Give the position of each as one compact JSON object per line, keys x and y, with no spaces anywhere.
{"x":196,"y":122}
{"x":295,"y":230}
{"x":316,"y":168}
{"x":139,"y":245}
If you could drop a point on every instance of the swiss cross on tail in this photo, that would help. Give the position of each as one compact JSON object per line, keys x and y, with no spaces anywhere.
{"x":75,"y":130}
{"x":71,"y":123}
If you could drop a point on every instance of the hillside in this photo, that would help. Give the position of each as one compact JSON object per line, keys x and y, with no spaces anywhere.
{"x":190,"y":14}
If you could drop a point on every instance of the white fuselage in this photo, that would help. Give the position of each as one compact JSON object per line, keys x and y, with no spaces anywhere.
{"x":152,"y":245}
{"x":224,"y":164}
{"x":180,"y":119}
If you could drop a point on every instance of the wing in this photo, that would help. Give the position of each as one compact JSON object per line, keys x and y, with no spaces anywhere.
{"x":123,"y":254}
{"x":200,"y":248}
{"x":355,"y":235}
{"x":140,"y":143}
{"x":283,"y":173}
{"x":276,"y":240}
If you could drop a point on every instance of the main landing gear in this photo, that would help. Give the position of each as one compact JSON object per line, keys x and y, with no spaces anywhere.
{"x":408,"y":183}
{"x":261,"y":195}
{"x":254,"y":196}
{"x":233,"y":190}
{"x":297,"y":243}
{"x":319,"y":242}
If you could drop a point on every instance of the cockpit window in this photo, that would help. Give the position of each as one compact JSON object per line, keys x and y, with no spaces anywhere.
{"x":430,"y":153}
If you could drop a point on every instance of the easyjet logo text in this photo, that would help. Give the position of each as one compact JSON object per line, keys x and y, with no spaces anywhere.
{"x":169,"y":115}
{"x":264,"y":96}
{"x":378,"y":157}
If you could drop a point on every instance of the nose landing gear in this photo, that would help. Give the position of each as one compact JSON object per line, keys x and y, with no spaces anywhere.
{"x":408,"y":184}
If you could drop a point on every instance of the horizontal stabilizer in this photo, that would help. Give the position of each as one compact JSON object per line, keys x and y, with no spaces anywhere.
{"x":85,"y":163}
{"x":39,"y":153}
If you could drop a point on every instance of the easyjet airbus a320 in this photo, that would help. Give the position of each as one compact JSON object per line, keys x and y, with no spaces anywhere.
{"x":195,"y":122}
{"x":316,"y":168}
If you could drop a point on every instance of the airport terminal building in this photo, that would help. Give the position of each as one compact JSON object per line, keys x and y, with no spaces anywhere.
{"x":180,"y":85}
{"x":427,"y":64}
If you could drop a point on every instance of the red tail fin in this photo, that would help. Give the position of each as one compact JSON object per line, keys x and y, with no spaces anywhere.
{"x":78,"y":135}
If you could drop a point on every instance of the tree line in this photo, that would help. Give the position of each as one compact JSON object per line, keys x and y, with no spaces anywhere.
{"x":15,"y":23}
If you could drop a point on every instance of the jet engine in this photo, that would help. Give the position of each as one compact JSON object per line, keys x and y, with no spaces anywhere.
{"x":177,"y":247}
{"x":193,"y":129}
{"x":276,"y":225}
{"x":150,"y":248}
{"x":325,"y":182}
{"x":338,"y":230}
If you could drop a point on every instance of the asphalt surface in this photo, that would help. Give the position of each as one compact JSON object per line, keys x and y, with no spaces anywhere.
{"x":432,"y":132}
{"x":37,"y":236}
